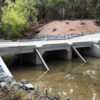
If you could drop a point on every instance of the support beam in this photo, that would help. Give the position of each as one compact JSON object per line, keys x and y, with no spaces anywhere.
{"x":41,"y":58}
{"x":79,"y":54}
{"x":69,"y":53}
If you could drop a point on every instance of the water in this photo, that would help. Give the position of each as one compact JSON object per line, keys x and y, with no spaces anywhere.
{"x":69,"y":79}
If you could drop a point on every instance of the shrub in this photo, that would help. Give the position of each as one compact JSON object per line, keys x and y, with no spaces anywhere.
{"x":12,"y":94}
{"x":16,"y":17}
{"x":12,"y":23}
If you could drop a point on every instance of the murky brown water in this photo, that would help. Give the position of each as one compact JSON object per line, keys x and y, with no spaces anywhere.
{"x":67,"y":78}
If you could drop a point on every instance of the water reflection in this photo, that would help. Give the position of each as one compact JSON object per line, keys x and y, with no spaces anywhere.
{"x":42,"y":75}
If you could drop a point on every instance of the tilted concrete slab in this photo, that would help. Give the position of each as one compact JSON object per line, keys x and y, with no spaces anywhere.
{"x":29,"y":46}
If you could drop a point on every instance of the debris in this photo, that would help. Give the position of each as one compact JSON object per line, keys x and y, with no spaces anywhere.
{"x":23,"y":81}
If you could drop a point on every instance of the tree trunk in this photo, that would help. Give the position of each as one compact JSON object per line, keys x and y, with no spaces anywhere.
{"x":63,"y":12}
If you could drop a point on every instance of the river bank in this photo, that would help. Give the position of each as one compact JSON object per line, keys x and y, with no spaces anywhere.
{"x":61,"y":29}
{"x":9,"y":92}
{"x":10,"y":89}
{"x":18,"y":94}
{"x":69,"y":27}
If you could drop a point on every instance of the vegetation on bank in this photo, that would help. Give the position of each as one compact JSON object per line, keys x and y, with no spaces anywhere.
{"x":12,"y":94}
{"x":17,"y":16}
{"x":19,"y":94}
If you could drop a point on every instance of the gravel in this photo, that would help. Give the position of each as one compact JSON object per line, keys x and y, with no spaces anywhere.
{"x":40,"y":37}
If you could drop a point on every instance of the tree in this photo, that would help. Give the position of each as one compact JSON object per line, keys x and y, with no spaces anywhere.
{"x":17,"y":17}
{"x":57,"y":7}
{"x":1,"y":4}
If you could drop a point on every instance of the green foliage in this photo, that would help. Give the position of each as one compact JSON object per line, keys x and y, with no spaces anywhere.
{"x":69,"y":8}
{"x":98,"y":13}
{"x":51,"y":6}
{"x":17,"y":16}
{"x":57,"y":6}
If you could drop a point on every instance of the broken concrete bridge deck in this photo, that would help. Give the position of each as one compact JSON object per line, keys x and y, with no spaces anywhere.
{"x":28,"y":46}
{"x":38,"y":48}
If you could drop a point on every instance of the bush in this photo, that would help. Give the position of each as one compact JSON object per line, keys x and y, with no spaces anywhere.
{"x":16,"y":17}
{"x":12,"y":94}
{"x":12,"y":24}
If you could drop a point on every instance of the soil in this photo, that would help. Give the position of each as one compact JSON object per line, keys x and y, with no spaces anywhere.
{"x":69,"y":26}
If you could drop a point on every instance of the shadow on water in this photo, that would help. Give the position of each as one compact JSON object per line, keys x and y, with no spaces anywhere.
{"x":71,"y":79}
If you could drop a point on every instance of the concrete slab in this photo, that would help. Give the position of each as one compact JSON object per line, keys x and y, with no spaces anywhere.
{"x":28,"y":46}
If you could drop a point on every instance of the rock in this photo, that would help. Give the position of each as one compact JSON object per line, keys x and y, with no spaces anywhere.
{"x":24,"y":85}
{"x":40,"y":37}
{"x":69,"y":36}
{"x":6,"y":79}
{"x":98,"y":31}
{"x":17,"y":84}
{"x":23,"y":81}
{"x":28,"y":86}
{"x":67,"y":22}
{"x":54,"y":29}
{"x":4,"y":85}
{"x":67,"y":98}
{"x":9,"y":80}
{"x":56,"y":97}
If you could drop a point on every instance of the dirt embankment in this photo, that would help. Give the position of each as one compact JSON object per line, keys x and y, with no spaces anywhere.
{"x":69,"y":26}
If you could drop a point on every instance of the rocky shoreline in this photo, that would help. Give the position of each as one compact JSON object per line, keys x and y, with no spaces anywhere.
{"x":23,"y":90}
{"x":12,"y":90}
